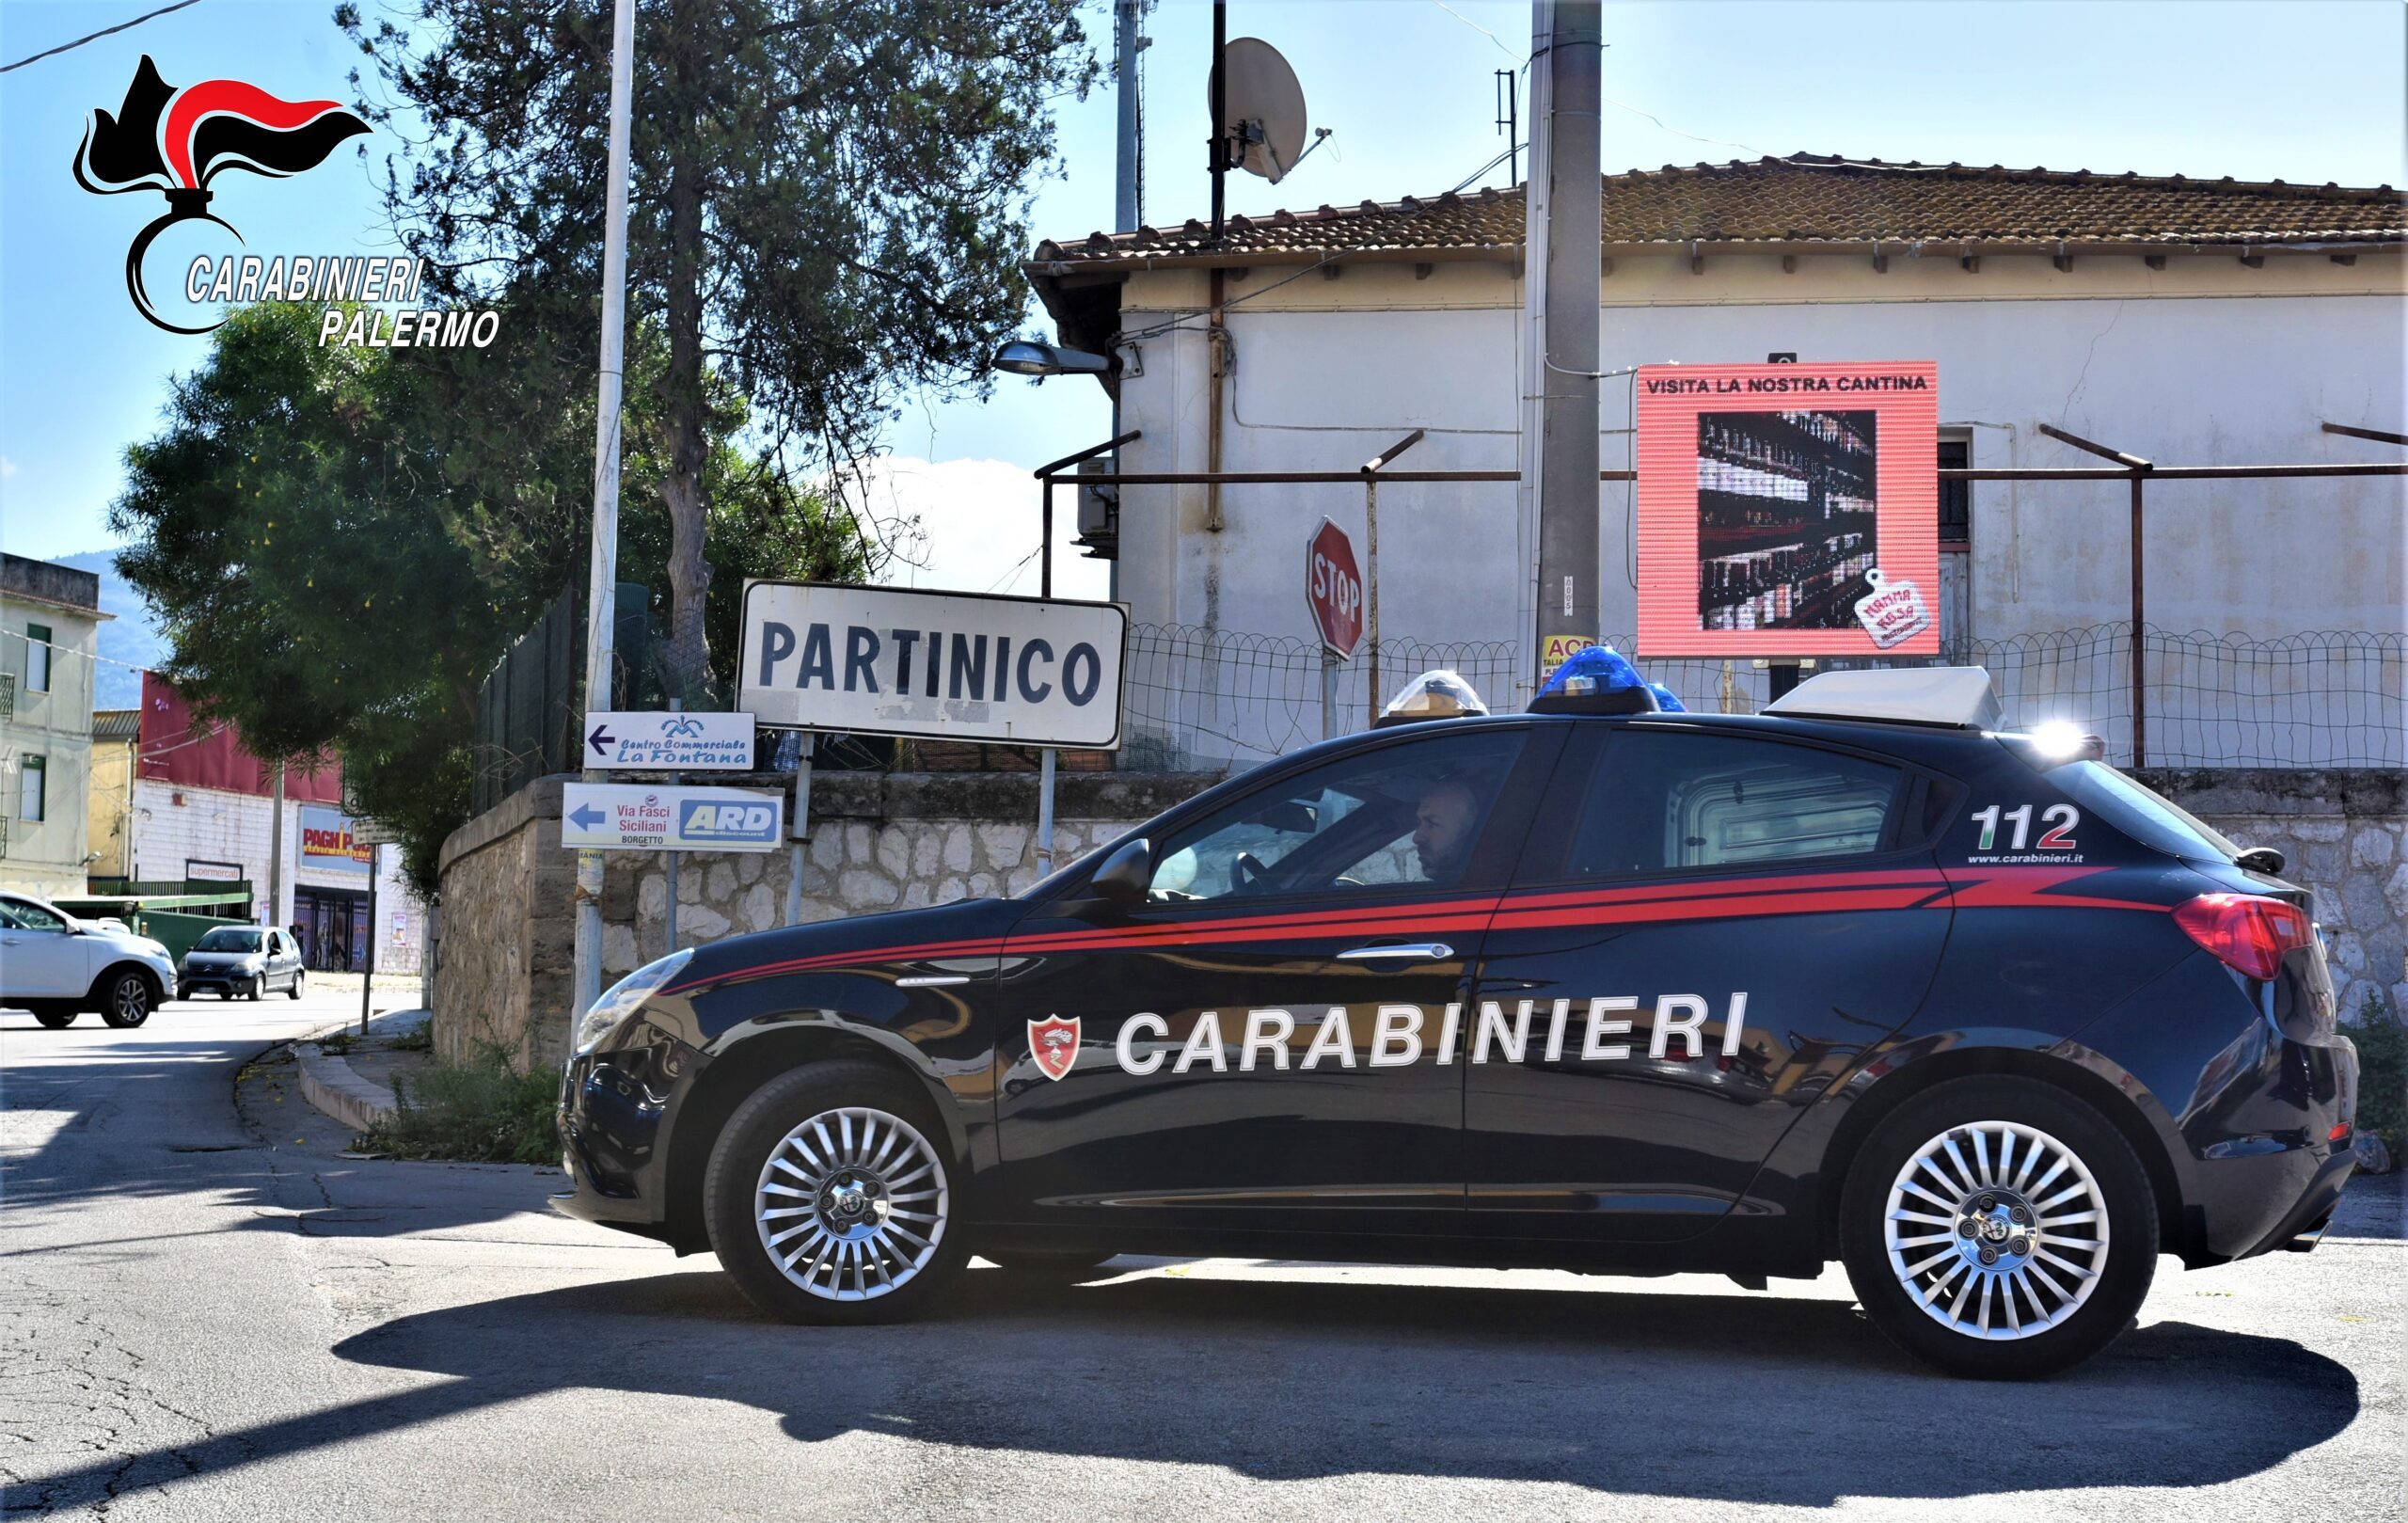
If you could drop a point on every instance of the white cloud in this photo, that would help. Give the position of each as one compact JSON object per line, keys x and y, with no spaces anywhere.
{"x":8,"y":468}
{"x":971,"y":526}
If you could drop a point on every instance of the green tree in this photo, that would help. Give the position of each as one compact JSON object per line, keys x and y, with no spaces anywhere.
{"x":342,"y":542}
{"x":828,"y":200}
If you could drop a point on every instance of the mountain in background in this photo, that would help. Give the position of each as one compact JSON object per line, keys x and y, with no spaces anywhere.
{"x":131,"y":637}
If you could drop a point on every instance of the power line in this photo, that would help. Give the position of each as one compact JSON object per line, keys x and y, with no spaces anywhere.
{"x":105,"y":31}
{"x":1481,"y":30}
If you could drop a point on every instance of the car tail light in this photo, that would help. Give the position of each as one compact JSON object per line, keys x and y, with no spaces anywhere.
{"x":2249,"y":932}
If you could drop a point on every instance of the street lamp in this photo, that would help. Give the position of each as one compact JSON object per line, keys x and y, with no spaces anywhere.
{"x":1027,"y":357}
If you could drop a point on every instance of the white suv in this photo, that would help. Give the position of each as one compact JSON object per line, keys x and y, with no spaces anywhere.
{"x":59,"y":966}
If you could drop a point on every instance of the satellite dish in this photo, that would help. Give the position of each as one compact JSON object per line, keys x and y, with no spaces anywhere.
{"x":1264,"y":128}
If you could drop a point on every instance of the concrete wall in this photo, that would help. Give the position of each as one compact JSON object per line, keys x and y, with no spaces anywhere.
{"x":46,"y":857}
{"x":2204,"y":362}
{"x":2344,"y":836}
{"x":503,"y":972}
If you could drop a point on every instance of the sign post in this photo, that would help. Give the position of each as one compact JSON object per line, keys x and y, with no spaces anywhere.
{"x":953,"y":666}
{"x":368,"y":966}
{"x":1334,"y":596}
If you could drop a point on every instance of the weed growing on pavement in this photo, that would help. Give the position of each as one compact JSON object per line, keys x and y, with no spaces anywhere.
{"x":338,"y":1045}
{"x":482,"y":1110}
{"x":420,"y":1039}
{"x":2382,"y":1074}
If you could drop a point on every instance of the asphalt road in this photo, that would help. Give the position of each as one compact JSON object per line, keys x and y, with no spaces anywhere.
{"x":208,"y":1314}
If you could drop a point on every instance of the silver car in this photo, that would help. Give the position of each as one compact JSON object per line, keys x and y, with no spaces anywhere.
{"x":249,"y":961}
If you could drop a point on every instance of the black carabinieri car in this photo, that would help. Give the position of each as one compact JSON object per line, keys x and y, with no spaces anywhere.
{"x":1859,"y":978}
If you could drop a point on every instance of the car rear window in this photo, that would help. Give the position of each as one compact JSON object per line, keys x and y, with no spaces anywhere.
{"x":2142,"y":813}
{"x":1666,"y":801}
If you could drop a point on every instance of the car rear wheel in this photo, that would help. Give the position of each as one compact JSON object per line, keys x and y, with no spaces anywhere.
{"x":830,"y":1198}
{"x":126,"y":1002}
{"x":295,"y":992}
{"x":56,"y":1017}
{"x":1999,"y":1227}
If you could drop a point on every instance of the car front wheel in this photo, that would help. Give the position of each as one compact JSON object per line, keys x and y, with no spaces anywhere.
{"x":830,"y":1198}
{"x":1999,"y":1227}
{"x":126,"y":1002}
{"x":256,"y":987}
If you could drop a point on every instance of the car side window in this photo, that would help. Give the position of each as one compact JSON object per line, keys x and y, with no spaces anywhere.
{"x":1390,"y":817}
{"x":1664,"y":801}
{"x":23,"y":916}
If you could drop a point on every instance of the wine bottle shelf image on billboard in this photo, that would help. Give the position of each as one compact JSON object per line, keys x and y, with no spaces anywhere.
{"x":1786,"y":518}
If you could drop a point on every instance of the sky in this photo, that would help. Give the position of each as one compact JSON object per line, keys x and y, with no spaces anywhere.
{"x":2295,"y":90}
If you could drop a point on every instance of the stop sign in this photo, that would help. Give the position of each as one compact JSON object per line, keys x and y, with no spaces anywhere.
{"x":1334,"y":589}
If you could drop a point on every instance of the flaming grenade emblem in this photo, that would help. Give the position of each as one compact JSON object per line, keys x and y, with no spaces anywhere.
{"x":1053,"y":1042}
{"x":175,"y":141}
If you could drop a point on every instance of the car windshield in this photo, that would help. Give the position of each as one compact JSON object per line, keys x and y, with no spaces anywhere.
{"x":226,"y":939}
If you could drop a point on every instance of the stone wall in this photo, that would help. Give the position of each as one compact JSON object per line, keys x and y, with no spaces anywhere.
{"x":878,"y":842}
{"x":505,"y":949}
{"x":2344,"y":837}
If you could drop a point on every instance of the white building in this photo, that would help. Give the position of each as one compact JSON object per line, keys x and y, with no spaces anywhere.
{"x":50,"y":619}
{"x":2188,"y":322}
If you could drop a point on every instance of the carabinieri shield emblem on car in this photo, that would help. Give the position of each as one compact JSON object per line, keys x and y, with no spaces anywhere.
{"x":1055,"y":1043}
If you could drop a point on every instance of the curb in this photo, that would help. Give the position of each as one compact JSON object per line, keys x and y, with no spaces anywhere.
{"x":332,"y":1085}
{"x":336,"y":1087}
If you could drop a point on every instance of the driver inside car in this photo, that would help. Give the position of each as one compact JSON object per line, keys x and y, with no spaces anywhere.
{"x":1443,"y":828}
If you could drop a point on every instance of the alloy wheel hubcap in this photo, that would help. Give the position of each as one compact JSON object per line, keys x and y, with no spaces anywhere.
{"x":851,"y":1204}
{"x":1997,"y":1230}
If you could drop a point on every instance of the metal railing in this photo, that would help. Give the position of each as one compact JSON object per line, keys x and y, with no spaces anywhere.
{"x":1210,"y":698}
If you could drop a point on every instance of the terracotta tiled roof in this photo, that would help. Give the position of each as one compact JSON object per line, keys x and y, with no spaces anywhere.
{"x":1802,"y":201}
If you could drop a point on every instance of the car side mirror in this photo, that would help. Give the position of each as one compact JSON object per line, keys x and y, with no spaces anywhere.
{"x":1123,"y":877}
{"x":2261,"y":859}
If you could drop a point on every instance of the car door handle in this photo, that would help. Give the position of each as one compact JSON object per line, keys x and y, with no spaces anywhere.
{"x":1408,"y":951}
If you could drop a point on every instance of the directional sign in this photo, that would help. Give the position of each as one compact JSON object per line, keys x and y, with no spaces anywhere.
{"x":373,"y":832}
{"x":673,"y":743}
{"x":962,"y":666}
{"x":627,"y":817}
{"x":1334,"y":589}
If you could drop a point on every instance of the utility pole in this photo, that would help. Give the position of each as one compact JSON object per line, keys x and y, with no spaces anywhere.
{"x":1570,"y":32}
{"x":1128,"y":191}
{"x":602,"y":581}
{"x":1129,"y":174}
{"x":275,"y":853}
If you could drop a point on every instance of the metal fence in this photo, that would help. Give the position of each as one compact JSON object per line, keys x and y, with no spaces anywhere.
{"x":1205,"y":697}
{"x":1210,"y":699}
{"x":528,"y":706}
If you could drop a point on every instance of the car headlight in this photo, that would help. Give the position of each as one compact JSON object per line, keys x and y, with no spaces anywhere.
{"x":622,"y":998}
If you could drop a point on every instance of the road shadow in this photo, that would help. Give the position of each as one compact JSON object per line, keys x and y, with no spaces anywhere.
{"x":219,"y":1118}
{"x":1737,"y":1397}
